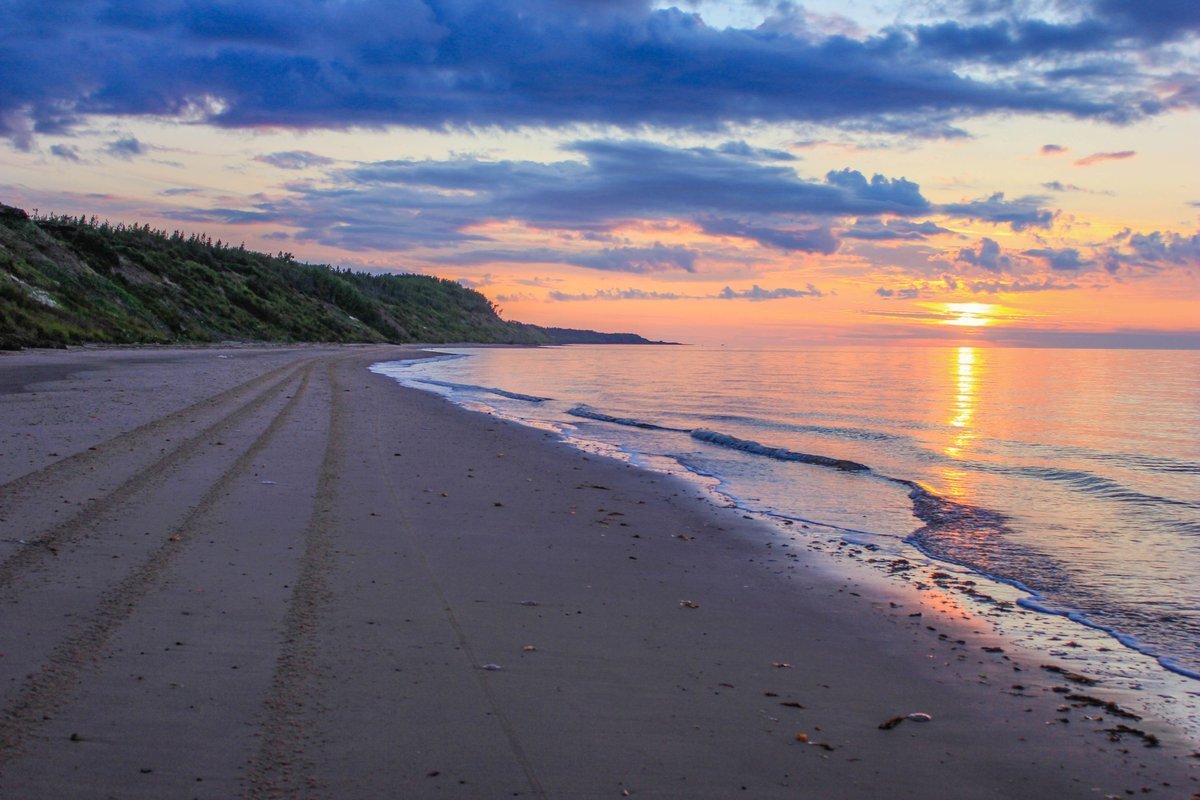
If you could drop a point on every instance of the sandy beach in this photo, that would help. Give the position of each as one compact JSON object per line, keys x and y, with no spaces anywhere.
{"x":266,"y":572}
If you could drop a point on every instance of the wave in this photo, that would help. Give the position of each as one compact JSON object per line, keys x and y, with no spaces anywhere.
{"x":408,"y":362}
{"x":587,"y":412}
{"x":1167,"y":662}
{"x":1140,"y":462}
{"x":978,"y":538}
{"x":835,"y":431}
{"x":1097,"y":485}
{"x":528,"y":398}
{"x":778,"y":453}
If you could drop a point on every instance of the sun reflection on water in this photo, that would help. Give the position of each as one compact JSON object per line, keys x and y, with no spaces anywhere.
{"x":965,"y":369}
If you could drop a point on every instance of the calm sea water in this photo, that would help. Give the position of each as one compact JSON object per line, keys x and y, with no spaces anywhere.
{"x":1071,"y":475}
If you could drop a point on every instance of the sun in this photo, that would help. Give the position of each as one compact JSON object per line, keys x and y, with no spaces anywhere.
{"x":970,"y":315}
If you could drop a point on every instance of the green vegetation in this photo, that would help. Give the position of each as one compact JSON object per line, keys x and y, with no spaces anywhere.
{"x":66,"y":280}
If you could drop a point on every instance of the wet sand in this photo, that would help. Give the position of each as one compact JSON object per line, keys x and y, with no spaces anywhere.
{"x":267,"y":572}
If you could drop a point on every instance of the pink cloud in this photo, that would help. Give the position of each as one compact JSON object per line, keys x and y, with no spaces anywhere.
{"x":1096,"y":158}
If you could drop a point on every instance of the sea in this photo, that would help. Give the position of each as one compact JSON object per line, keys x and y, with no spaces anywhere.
{"x":1059,"y":488}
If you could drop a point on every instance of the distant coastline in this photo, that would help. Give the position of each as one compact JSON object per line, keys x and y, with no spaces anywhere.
{"x":76,"y":280}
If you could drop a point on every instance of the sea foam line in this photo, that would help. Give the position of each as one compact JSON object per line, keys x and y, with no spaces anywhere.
{"x":778,"y":453}
{"x":470,"y":387}
{"x":587,"y":412}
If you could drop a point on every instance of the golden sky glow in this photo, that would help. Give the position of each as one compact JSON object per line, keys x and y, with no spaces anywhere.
{"x":998,"y":222}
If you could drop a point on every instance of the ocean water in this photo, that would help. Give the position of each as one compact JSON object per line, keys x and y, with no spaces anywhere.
{"x":1071,"y":477}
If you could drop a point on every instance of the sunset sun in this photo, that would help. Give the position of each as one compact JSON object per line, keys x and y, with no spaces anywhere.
{"x":970,"y":315}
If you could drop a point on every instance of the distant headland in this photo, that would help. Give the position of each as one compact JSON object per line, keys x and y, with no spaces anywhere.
{"x":74,"y":280}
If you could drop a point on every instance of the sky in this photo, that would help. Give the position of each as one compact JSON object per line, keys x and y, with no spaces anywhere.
{"x":1009,"y":172}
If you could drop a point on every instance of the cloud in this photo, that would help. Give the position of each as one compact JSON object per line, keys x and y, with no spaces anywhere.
{"x":1000,"y":287}
{"x":1152,"y":21}
{"x":754,"y":294}
{"x":478,"y":283}
{"x":817,"y":239}
{"x":658,"y":258}
{"x":1162,"y":248}
{"x":617,"y":294}
{"x":1059,"y":186}
{"x":516,"y":297}
{"x":738,"y":148}
{"x":1005,"y":41}
{"x":294,"y":159}
{"x":987,"y":256}
{"x":1096,"y":158}
{"x":893,"y":229}
{"x":391,"y":205}
{"x":65,"y":151}
{"x":126,"y":148}
{"x":1053,"y":149}
{"x":757,"y":294}
{"x":903,"y":293}
{"x":639,"y":260}
{"x":887,"y":193}
{"x":434,"y":64}
{"x":1067,"y":259}
{"x":1018,"y":214}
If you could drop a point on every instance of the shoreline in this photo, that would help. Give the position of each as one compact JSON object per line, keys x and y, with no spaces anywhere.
{"x":353,"y":556}
{"x":1018,"y":614}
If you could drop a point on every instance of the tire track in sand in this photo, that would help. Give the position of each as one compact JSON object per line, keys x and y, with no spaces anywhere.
{"x":47,"y":689}
{"x":45,"y":542}
{"x":85,"y":460}
{"x":280,"y":768}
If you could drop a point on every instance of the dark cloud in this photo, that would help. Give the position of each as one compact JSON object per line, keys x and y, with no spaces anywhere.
{"x":988,"y":256}
{"x":1096,"y":158}
{"x":1059,"y":186}
{"x":902,"y":293}
{"x":1067,"y":259}
{"x":126,"y":148}
{"x":1053,"y":149}
{"x":65,"y":151}
{"x":1165,"y":248}
{"x":818,"y":239}
{"x":997,"y":32}
{"x":738,"y":148}
{"x":893,"y":229}
{"x":434,"y":202}
{"x":757,"y":294}
{"x":617,"y":294}
{"x":658,"y":258}
{"x":294,"y":159}
{"x":640,"y":260}
{"x":1152,"y":20}
{"x":468,"y":63}
{"x":996,"y":287}
{"x":1004,"y":41}
{"x":179,"y":191}
{"x":1018,"y":214}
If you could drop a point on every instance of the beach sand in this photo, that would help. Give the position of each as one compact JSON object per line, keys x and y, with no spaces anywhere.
{"x":266,"y":572}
